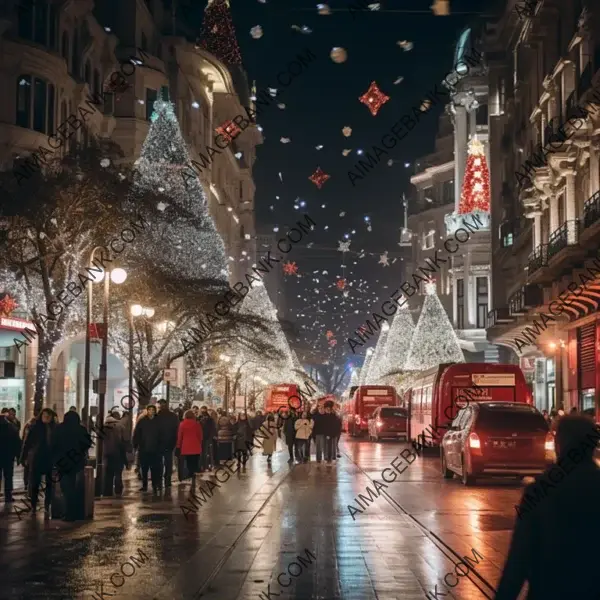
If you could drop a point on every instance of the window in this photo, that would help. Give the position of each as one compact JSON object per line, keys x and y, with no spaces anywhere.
{"x":164,"y":92}
{"x":448,"y":192}
{"x":65,"y":48}
{"x":35,"y":104}
{"x":37,"y":22}
{"x":428,"y":240}
{"x":482,"y":302}
{"x":151,"y":97}
{"x":96,"y":87}
{"x":460,"y":303}
{"x":428,"y":195}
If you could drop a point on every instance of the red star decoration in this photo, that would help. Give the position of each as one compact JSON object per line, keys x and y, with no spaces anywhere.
{"x":319,"y":177}
{"x":290,"y":268}
{"x":7,"y":305}
{"x":340,"y":284}
{"x":374,"y":98}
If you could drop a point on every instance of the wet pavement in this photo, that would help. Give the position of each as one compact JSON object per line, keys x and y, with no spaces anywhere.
{"x":282,"y":532}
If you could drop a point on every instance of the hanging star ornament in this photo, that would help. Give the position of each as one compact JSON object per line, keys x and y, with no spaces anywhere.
{"x":374,"y":98}
{"x":383,"y":259}
{"x":7,"y":305}
{"x":344,"y":246}
{"x":319,"y":177}
{"x":290,"y":268}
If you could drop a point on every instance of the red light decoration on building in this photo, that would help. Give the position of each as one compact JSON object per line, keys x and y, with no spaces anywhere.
{"x":475,"y":193}
{"x":229,"y":130}
{"x":7,"y":305}
{"x":290,"y":268}
{"x":374,"y":98}
{"x":218,"y":33}
{"x":319,"y":177}
{"x":340,"y":284}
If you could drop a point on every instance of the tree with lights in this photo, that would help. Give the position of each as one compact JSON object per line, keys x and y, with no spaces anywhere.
{"x":377,"y":362}
{"x":364,"y":370}
{"x":434,"y":341}
{"x":218,"y":33}
{"x":398,"y":343}
{"x":475,"y":195}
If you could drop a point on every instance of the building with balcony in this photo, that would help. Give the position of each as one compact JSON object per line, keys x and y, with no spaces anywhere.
{"x":463,"y":284}
{"x":545,"y":91}
{"x":53,"y":55}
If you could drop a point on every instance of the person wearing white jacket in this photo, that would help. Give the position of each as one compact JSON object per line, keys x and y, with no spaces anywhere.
{"x":304,"y":427}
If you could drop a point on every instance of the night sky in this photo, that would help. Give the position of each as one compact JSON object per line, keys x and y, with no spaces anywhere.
{"x":319,"y":103}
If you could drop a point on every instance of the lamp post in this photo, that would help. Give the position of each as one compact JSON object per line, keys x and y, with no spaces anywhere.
{"x":118,"y":276}
{"x":226,"y":359}
{"x":135,"y":310}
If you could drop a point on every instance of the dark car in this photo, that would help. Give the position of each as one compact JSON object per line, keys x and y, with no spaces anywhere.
{"x":496,"y":439}
{"x":388,"y":422}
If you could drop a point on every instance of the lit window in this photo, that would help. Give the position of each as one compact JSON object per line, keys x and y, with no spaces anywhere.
{"x":428,"y":240}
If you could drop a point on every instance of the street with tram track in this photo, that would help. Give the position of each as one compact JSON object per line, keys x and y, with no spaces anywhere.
{"x":280,"y":532}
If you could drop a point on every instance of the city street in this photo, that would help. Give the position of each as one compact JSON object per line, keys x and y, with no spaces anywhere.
{"x":258,"y":522}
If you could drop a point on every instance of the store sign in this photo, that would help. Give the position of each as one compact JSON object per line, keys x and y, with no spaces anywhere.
{"x":493,"y":379}
{"x":170,"y":375}
{"x":15,"y":324}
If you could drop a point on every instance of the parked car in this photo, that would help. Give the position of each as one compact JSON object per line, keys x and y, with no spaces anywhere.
{"x":388,"y":422}
{"x":496,"y":439}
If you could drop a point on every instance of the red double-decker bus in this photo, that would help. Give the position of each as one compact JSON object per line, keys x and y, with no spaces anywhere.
{"x":437,"y":394}
{"x":357,"y":410}
{"x":280,"y":397}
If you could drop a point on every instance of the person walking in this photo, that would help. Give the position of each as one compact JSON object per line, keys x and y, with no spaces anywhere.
{"x":12,"y":419}
{"x":26,"y":430}
{"x":168,"y":427}
{"x":189,"y":443}
{"x":336,"y":446}
{"x":243,"y":438}
{"x":142,"y":414}
{"x":114,"y":452}
{"x":319,"y":429}
{"x":303,"y":427}
{"x":271,"y":433}
{"x":10,"y":449}
{"x":70,"y":445}
{"x":289,"y":431}
{"x":146,"y":441}
{"x":555,"y":535}
{"x":37,"y":455}
{"x":331,"y":432}
{"x":209,"y":433}
{"x":224,"y":438}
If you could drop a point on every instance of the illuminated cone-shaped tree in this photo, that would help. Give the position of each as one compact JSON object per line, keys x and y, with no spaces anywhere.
{"x":375,"y":370}
{"x":218,"y":33}
{"x":364,"y":371}
{"x":184,"y":241}
{"x":475,"y":195}
{"x":398,"y":343}
{"x":434,"y":340}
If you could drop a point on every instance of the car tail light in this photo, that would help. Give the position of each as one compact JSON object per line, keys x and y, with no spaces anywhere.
{"x":549,"y":443}
{"x":474,"y":442}
{"x":379,"y":423}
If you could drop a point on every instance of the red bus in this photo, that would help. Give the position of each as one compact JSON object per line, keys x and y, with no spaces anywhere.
{"x":281,"y":397}
{"x":437,"y":394}
{"x":357,"y":410}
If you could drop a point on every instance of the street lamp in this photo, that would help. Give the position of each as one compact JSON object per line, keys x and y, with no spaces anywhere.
{"x":136,"y":310}
{"x":118,"y":276}
{"x":226,"y":359}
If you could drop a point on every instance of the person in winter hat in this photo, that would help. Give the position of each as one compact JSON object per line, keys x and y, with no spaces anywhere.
{"x":10,"y":449}
{"x":270,"y":432}
{"x":114,"y":453}
{"x":189,"y":443}
{"x":242,"y":438}
{"x":304,"y":427}
{"x":146,"y":439}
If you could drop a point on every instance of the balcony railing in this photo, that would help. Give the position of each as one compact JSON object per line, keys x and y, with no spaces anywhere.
{"x":498,"y":316}
{"x":566,"y":235}
{"x":524,"y":299}
{"x":591,"y":210}
{"x":537,"y":259}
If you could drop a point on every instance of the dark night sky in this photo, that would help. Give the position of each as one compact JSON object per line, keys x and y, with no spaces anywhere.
{"x":319,"y":103}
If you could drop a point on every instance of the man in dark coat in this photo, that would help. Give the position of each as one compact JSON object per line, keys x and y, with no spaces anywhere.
{"x":554,"y":543}
{"x":331,"y":429}
{"x":146,"y":440}
{"x":209,"y":434}
{"x":114,"y":452}
{"x":12,"y":419}
{"x":290,"y":434}
{"x":10,"y":448}
{"x":70,"y":445}
{"x":37,"y":455}
{"x":168,"y":426}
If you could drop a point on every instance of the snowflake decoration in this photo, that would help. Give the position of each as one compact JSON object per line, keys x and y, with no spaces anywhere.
{"x":384,"y":260}
{"x":374,"y":98}
{"x":319,"y":177}
{"x":344,"y":246}
{"x":340,"y":284}
{"x":290,"y":268}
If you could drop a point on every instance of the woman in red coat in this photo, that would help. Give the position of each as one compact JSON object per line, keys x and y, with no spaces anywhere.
{"x":189,"y":443}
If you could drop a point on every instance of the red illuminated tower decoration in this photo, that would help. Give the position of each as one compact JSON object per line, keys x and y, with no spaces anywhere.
{"x":218,"y":33}
{"x":475,"y":193}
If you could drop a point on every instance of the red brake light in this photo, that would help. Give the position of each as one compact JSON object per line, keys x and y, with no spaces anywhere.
{"x":379,"y":423}
{"x":549,"y":443}
{"x":474,"y":442}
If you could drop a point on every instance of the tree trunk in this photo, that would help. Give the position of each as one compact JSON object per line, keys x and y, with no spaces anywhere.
{"x":42,"y":370}
{"x":144,"y":392}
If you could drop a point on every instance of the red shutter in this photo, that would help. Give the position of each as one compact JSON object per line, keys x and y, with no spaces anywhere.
{"x":587,"y":356}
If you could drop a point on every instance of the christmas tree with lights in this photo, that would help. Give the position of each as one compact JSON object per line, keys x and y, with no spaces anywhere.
{"x":475,"y":195}
{"x":364,"y":370}
{"x":218,"y":33}
{"x":375,"y":370}
{"x":434,"y":341}
{"x":398,"y":343}
{"x":183,"y":242}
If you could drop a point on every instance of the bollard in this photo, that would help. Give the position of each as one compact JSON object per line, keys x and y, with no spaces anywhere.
{"x":88,"y":492}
